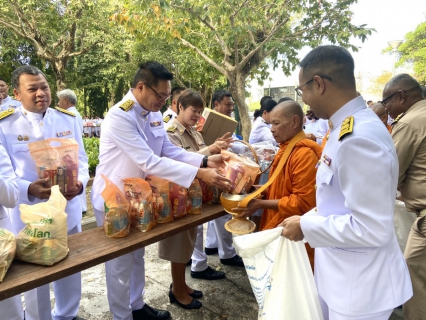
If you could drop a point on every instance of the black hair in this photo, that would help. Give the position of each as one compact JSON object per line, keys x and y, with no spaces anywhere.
{"x":188,"y":98}
{"x":150,"y":72}
{"x":285,"y":99}
{"x":330,"y":61}
{"x":176,"y":91}
{"x":27,"y":69}
{"x":256,"y":114}
{"x":263,"y":99}
{"x":268,"y":105}
{"x":1,"y":79}
{"x":406,"y":82}
{"x":219,"y":95}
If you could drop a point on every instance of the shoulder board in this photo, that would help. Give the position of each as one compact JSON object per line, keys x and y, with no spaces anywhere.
{"x":398,"y":118}
{"x":346,"y":128}
{"x":167,"y":118}
{"x":65,"y":111}
{"x":171,"y":129}
{"x":126,"y":106}
{"x":6,"y":113}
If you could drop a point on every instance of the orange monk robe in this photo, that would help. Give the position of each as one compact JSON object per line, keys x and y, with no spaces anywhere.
{"x":389,"y":128}
{"x":294,"y":186}
{"x":324,"y":141}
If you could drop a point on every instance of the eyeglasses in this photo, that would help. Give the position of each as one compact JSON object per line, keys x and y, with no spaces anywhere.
{"x":390,"y":97}
{"x":159,"y":96}
{"x":300,"y":92}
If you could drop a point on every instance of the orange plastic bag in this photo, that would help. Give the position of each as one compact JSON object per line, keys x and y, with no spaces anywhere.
{"x":241,"y":171}
{"x":57,"y":159}
{"x":195,"y":198}
{"x":178,"y":199}
{"x":210,"y":194}
{"x":161,"y":205}
{"x":116,"y":211}
{"x":139,"y":194}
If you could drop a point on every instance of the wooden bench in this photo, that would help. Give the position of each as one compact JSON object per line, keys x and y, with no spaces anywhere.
{"x":92,"y":247}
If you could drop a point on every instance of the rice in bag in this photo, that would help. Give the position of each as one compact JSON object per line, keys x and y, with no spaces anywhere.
{"x":7,"y":251}
{"x":195,"y":198}
{"x":178,"y":199}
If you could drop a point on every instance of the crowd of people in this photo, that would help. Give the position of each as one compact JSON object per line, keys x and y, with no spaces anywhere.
{"x":333,"y":183}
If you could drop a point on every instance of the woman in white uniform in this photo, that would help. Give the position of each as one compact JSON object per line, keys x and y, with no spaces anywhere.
{"x":261,"y":130}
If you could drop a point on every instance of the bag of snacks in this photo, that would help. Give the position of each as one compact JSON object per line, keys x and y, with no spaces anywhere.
{"x":161,"y":205}
{"x":116,"y":211}
{"x":57,"y":159}
{"x":210,"y":194}
{"x":139,"y":194}
{"x":241,"y":171}
{"x":44,"y":240}
{"x":7,"y":251}
{"x":178,"y":199}
{"x":195,"y":198}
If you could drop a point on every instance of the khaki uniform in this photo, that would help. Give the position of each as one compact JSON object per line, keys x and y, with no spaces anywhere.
{"x":179,"y":248}
{"x":409,"y":135}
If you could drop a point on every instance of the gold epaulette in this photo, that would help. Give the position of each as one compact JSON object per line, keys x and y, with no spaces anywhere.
{"x":171,"y":129}
{"x":398,"y":118}
{"x":126,"y":106}
{"x":6,"y":113}
{"x":167,"y":118}
{"x":65,"y":111}
{"x":346,"y":128}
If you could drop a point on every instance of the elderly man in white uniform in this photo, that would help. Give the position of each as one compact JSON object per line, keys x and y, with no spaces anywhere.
{"x":6,"y":102}
{"x":35,"y":121}
{"x":171,"y":112}
{"x":11,"y":308}
{"x":135,"y":144}
{"x":359,"y":269}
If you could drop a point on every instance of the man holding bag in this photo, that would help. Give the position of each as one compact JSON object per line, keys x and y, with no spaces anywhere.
{"x":360,"y":271}
{"x":35,"y":121}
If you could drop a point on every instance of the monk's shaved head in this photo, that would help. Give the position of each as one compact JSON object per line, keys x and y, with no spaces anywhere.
{"x":381,"y":112}
{"x":288,"y":109}
{"x":287,"y":120}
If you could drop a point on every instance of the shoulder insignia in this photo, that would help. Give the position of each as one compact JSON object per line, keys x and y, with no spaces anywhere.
{"x":398,"y":118}
{"x":167,"y":118}
{"x":171,"y":129}
{"x":347,"y":127}
{"x":126,"y":106}
{"x":65,"y":111}
{"x":6,"y":113}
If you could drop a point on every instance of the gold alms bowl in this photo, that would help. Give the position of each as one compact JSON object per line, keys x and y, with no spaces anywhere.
{"x":230,"y":201}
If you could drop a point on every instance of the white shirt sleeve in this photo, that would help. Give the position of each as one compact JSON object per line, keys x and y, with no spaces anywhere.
{"x":9,"y":191}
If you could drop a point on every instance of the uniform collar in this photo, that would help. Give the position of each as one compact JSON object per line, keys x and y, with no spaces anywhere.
{"x":174,"y":114}
{"x":6,"y":100}
{"x":32,"y":116}
{"x":138,"y":108}
{"x":417,"y":105}
{"x":179,"y":126}
{"x":348,"y":109}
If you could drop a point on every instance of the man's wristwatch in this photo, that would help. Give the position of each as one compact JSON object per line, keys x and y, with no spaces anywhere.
{"x":205,"y":159}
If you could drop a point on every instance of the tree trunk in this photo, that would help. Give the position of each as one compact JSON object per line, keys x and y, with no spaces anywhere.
{"x":237,"y":89}
{"x":59,"y":71}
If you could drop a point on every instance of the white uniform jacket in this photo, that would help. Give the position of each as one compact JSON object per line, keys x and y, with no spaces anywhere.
{"x":261,"y":131}
{"x":168,"y":117}
{"x":134,"y":144}
{"x":78,"y":117}
{"x":53,"y":124}
{"x":9,"y":103}
{"x":9,"y":191}
{"x":359,"y":268}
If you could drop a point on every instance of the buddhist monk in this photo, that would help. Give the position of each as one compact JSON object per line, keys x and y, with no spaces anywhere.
{"x":381,"y":112}
{"x":293,"y":190}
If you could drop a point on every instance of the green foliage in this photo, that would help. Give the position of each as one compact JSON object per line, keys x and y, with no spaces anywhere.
{"x":91,"y":145}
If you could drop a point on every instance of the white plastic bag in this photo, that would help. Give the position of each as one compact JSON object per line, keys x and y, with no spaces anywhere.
{"x":402,"y":222}
{"x":280,"y":276}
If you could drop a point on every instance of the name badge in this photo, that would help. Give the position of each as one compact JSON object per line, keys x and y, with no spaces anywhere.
{"x":63,"y":133}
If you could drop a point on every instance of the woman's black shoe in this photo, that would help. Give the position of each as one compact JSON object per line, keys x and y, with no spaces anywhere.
{"x":195,"y":304}
{"x":196,"y":294}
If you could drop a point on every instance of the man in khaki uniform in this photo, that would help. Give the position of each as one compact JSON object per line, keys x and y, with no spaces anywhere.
{"x":403,"y":99}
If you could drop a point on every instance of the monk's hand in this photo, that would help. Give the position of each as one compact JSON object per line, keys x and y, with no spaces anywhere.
{"x":292,"y":229}
{"x":251,"y":208}
{"x":216,"y":161}
{"x":212,"y":177}
{"x":311,"y":137}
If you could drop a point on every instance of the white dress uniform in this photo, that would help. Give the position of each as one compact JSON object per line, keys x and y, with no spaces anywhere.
{"x":11,"y":308}
{"x":318,"y":127}
{"x":359,"y":269}
{"x":16,"y":131}
{"x":8,"y":103}
{"x":168,"y":117}
{"x":135,"y":144}
{"x":261,"y":131}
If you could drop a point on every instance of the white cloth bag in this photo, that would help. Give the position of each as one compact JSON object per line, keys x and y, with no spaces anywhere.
{"x":280,"y":276}
{"x":402,"y":222}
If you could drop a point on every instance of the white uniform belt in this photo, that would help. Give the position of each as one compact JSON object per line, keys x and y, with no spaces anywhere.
{"x":422,"y":213}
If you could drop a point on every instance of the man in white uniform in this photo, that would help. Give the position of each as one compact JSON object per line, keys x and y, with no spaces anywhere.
{"x":359,"y":269}
{"x":35,"y":121}
{"x":6,"y":102}
{"x":11,"y":308}
{"x":171,"y":112}
{"x":134,"y":144}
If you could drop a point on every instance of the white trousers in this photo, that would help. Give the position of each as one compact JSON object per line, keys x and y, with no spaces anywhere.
{"x":67,"y":293}
{"x":125,"y":280}
{"x":330,"y":314}
{"x":217,"y":237}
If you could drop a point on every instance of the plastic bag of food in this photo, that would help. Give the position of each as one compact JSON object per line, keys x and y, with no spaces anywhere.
{"x":161,"y":205}
{"x":210,"y":194}
{"x":195,"y":198}
{"x":7,"y":251}
{"x":178,"y":199}
{"x":44,"y":240}
{"x":116,"y":211}
{"x":57,"y":159}
{"x":139,"y":194}
{"x":241,"y":171}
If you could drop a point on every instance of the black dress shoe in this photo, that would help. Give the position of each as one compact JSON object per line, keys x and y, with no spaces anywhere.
{"x":208,"y":274}
{"x":235,"y":261}
{"x":210,"y":251}
{"x":195,"y":304}
{"x":149,"y":313}
{"x":189,"y":262}
{"x":196,"y":294}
